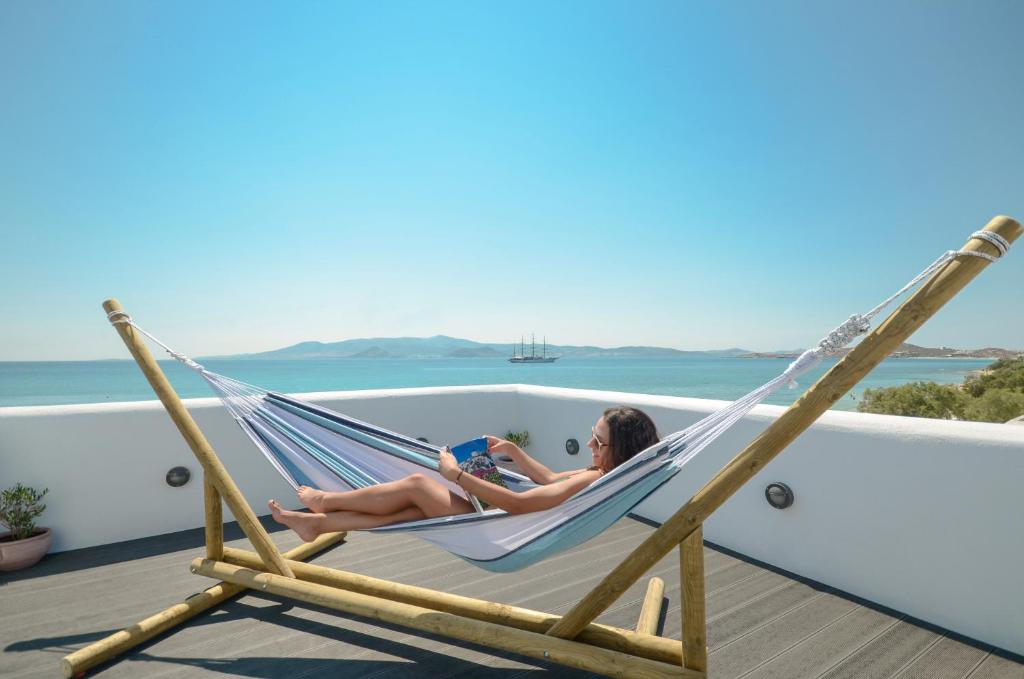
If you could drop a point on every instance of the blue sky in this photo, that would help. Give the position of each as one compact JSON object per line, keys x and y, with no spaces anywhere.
{"x":243,"y":176}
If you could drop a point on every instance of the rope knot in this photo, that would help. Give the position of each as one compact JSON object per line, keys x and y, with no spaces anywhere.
{"x":856,"y":324}
{"x":186,"y":360}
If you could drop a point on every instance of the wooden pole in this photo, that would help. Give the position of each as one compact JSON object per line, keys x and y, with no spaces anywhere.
{"x":613,"y":638}
{"x":902,"y":323}
{"x":214,"y":520}
{"x":691,"y":589}
{"x":114,"y":645}
{"x":212,"y":466}
{"x":650,"y":610}
{"x":531,"y":644}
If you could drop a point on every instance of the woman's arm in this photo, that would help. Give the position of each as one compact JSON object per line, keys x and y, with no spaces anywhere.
{"x":537,"y":472}
{"x":533,"y":500}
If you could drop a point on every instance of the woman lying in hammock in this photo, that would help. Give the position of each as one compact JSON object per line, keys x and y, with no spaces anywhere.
{"x":618,"y":435}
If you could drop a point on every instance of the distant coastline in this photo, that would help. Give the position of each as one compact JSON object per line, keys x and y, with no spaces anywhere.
{"x":912,"y":351}
{"x":442,"y":346}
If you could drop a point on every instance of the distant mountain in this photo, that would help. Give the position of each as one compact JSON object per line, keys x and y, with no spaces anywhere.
{"x":375,"y":347}
{"x":475,"y":352}
{"x":442,"y":346}
{"x":907,"y":350}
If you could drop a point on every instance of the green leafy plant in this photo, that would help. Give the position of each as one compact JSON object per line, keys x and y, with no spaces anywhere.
{"x":916,"y":399}
{"x":1006,"y":373}
{"x":520,"y":438}
{"x":996,"y":405}
{"x":996,"y":394}
{"x":19,"y":507}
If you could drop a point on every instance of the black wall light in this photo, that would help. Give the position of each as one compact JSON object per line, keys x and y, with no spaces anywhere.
{"x":778,"y":494}
{"x":178,"y":477}
{"x":572,"y":446}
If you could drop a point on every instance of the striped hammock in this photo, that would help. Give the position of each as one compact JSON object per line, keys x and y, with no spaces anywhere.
{"x":317,"y":447}
{"x":314,"y":446}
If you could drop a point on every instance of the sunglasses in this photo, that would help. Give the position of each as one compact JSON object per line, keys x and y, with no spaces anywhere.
{"x":600,"y":443}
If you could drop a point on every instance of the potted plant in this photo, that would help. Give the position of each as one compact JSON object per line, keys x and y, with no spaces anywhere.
{"x":24,"y":544}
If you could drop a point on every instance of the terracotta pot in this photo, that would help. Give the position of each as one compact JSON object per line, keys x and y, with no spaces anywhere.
{"x":24,"y":553}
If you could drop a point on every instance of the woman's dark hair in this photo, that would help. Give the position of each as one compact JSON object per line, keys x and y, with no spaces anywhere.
{"x":630,"y":431}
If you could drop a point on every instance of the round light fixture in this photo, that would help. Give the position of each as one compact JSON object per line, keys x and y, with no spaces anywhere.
{"x":778,"y":494}
{"x":178,"y":477}
{"x":572,"y":446}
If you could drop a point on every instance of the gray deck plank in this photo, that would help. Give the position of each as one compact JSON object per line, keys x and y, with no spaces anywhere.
{"x":946,"y":659}
{"x":761,"y":622}
{"x":811,"y":656}
{"x":997,"y":667}
{"x":749,"y":651}
{"x":885,"y":655}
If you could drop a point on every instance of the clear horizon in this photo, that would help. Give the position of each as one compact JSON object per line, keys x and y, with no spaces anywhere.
{"x":693,"y":176}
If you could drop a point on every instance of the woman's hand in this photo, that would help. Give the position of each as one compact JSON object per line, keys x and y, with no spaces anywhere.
{"x":498,"y":445}
{"x":447,"y":465}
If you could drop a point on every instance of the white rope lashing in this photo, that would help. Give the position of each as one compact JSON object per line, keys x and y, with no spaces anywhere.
{"x":127,"y":320}
{"x":858,"y":324}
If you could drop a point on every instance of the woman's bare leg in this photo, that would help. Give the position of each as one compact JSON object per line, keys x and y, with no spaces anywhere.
{"x":416,"y":490}
{"x":309,"y":526}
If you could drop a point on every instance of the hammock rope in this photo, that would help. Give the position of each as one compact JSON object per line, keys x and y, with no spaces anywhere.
{"x":312,"y":445}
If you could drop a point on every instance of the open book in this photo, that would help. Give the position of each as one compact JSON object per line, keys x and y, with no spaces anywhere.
{"x":474,"y":459}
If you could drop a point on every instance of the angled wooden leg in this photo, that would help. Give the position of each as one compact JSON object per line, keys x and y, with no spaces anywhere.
{"x":114,"y":645}
{"x":214,"y":469}
{"x":900,"y":325}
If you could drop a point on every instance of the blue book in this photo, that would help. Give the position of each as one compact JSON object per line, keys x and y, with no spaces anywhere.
{"x":474,"y":459}
{"x":465,"y":451}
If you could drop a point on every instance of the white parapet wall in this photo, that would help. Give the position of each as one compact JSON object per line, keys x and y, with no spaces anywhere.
{"x":922,"y":516}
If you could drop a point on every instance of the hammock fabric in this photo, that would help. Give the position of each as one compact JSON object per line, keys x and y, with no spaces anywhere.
{"x":314,"y":446}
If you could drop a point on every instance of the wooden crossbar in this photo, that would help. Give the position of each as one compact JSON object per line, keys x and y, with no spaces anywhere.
{"x":605,"y":636}
{"x":531,"y":644}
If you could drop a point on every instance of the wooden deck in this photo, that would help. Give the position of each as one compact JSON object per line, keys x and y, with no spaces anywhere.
{"x":761,"y":623}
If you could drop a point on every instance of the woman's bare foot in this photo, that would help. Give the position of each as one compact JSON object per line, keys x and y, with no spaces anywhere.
{"x":311,"y":498}
{"x":305,"y":525}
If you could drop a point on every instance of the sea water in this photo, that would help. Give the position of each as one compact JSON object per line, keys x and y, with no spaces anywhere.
{"x":725,"y":378}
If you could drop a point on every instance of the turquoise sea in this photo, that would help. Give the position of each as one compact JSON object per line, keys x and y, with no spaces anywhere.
{"x":52,"y":383}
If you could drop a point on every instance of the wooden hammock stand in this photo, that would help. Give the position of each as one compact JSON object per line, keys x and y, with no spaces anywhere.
{"x":573,"y":639}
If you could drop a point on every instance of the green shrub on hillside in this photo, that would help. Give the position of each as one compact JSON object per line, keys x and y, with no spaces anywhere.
{"x":1006,"y":373}
{"x":995,"y":395}
{"x":995,"y":405}
{"x":917,"y":399}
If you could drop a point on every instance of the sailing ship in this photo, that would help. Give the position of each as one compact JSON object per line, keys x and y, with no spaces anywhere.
{"x":521,"y":357}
